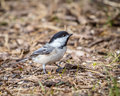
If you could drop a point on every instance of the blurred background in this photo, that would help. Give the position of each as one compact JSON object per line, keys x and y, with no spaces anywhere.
{"x":26,"y":25}
{"x":23,"y":22}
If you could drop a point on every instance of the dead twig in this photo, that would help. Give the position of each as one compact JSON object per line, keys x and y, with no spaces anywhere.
{"x":8,"y":92}
{"x":99,"y":41}
{"x":111,"y":3}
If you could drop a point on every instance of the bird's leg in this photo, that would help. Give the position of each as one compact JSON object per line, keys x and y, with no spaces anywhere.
{"x":44,"y":70}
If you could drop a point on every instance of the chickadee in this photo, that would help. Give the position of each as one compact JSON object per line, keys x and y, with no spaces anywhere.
{"x":52,"y":51}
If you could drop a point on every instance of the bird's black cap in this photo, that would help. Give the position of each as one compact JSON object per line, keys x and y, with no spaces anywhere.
{"x":59,"y":35}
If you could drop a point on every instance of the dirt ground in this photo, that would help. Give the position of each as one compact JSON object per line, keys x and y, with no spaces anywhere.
{"x":91,"y":63}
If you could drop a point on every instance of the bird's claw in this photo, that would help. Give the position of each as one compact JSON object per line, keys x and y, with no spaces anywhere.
{"x":59,"y":69}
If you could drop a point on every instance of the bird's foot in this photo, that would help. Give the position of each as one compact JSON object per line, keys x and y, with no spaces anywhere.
{"x":59,"y":69}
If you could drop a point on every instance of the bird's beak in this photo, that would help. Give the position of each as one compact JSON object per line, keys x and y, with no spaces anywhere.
{"x":70,"y":35}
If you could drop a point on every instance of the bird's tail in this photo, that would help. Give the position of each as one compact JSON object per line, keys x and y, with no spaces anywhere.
{"x":13,"y":62}
{"x":22,"y":60}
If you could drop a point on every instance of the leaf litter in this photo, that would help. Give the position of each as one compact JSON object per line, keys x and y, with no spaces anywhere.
{"x":91,"y":63}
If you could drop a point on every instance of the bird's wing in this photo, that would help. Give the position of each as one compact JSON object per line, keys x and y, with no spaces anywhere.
{"x":47,"y":49}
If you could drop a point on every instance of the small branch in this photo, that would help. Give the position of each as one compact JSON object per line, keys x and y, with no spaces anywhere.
{"x":2,"y":3}
{"x":99,"y":41}
{"x":111,"y":3}
{"x":8,"y":92}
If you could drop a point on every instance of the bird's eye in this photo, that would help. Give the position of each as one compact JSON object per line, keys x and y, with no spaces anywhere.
{"x":63,"y":35}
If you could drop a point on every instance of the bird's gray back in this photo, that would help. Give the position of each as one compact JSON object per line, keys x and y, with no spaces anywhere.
{"x":46,"y":49}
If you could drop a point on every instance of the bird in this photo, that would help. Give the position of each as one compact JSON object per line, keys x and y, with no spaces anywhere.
{"x":52,"y":51}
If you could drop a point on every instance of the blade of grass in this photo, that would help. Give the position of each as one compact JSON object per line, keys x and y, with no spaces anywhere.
{"x":42,"y":87}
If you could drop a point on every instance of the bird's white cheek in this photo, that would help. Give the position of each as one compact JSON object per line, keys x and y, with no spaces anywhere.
{"x":59,"y":42}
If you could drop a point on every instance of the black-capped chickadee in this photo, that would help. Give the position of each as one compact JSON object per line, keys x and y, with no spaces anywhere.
{"x":52,"y":51}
